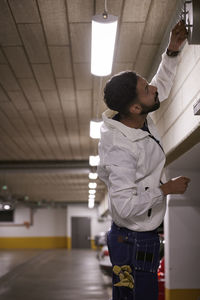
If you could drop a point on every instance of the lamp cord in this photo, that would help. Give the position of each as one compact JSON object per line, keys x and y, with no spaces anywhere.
{"x":105,"y":7}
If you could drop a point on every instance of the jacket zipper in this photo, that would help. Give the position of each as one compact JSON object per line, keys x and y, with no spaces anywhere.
{"x":151,"y":136}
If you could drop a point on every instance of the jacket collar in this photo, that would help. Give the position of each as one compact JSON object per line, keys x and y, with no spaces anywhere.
{"x":131,"y":133}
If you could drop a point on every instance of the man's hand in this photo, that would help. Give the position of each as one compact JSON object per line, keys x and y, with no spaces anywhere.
{"x":178,"y":36}
{"x":176,"y":185}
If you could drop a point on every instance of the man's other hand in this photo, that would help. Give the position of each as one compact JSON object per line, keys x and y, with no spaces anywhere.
{"x":176,"y":185}
{"x":178,"y":36}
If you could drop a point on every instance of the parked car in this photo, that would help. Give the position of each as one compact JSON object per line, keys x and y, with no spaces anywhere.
{"x":161,"y":279}
{"x":104,"y":261}
{"x":106,"y":266}
{"x":100,"y":239}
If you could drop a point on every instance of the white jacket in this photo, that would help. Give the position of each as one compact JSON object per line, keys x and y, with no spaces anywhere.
{"x":131,"y":163}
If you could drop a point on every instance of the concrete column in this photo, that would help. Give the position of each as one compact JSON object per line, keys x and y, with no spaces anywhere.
{"x":182,"y":248}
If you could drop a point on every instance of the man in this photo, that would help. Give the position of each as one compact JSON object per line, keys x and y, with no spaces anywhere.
{"x":131,"y":165}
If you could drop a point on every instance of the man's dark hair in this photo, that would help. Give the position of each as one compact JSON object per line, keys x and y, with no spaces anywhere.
{"x":120,"y":91}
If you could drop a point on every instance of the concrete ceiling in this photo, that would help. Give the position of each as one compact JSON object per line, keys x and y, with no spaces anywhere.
{"x":47,"y":94}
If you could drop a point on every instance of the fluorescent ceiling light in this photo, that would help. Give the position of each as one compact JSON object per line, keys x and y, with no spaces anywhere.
{"x":94,"y":160}
{"x":95,"y":129}
{"x":104,"y":29}
{"x":92,"y":192}
{"x":93,"y":175}
{"x":7,"y":206}
{"x":91,"y":196}
{"x":91,"y":200}
{"x":91,"y":203}
{"x":92,"y":185}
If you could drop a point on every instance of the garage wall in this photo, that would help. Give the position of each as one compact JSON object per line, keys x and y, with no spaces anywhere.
{"x":175,"y":120}
{"x":51,"y":227}
{"x":48,"y":229}
{"x":84,"y":211}
{"x":177,"y":125}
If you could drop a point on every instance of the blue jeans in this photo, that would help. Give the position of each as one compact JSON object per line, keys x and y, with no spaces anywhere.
{"x":140,"y":251}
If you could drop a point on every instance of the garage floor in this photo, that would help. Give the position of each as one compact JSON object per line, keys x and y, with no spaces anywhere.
{"x":51,"y":275}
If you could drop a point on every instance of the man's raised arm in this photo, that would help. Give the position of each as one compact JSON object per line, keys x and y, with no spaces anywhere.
{"x":164,"y":77}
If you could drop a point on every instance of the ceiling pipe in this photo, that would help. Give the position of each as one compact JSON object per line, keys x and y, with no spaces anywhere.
{"x":67,"y":167}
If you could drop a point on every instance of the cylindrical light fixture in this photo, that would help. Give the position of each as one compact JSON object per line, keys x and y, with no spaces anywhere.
{"x":93,"y":175}
{"x":92,"y":185}
{"x":104,"y":29}
{"x":94,"y":160}
{"x":90,"y":203}
{"x":90,"y":196}
{"x":92,"y":192}
{"x":95,"y":129}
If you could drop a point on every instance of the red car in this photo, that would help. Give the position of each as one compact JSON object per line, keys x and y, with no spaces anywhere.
{"x":161,"y":280}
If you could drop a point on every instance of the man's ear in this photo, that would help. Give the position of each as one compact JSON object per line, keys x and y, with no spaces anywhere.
{"x":135,"y":108}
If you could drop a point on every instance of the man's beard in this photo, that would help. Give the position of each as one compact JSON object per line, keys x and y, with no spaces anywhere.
{"x":147,"y":109}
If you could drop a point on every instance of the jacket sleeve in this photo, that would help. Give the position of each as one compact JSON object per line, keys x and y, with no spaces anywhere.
{"x":165,"y":75}
{"x":124,"y":195}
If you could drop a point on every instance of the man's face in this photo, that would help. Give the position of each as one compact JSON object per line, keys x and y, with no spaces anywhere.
{"x":147,"y":96}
